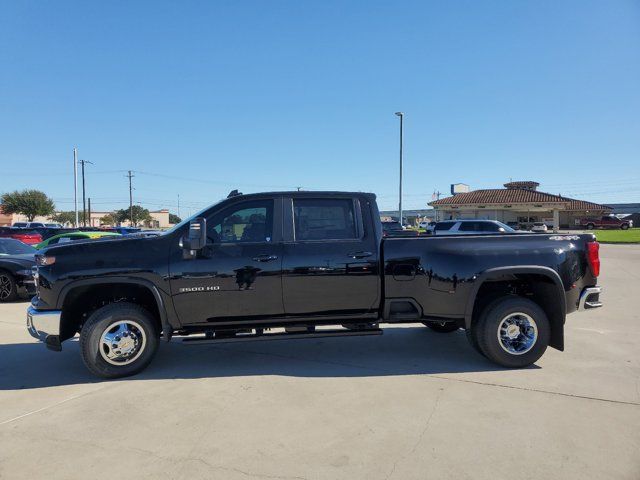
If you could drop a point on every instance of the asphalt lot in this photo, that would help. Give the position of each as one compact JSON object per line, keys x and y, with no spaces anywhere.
{"x":408,"y":404}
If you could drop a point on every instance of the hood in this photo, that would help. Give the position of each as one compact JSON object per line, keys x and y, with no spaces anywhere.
{"x":26,"y":260}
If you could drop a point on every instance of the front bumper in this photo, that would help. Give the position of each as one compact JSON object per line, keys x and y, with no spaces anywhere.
{"x":44,"y":325}
{"x":590,"y":298}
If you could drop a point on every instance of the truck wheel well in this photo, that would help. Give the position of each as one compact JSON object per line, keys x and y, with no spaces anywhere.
{"x":536,"y":287}
{"x":82,"y":301}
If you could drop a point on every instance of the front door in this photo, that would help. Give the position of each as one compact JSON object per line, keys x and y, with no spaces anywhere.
{"x":238,"y":275}
{"x":330,"y":262}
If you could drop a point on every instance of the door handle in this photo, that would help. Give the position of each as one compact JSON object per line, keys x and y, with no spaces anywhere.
{"x":265,"y":258}
{"x":359,"y":254}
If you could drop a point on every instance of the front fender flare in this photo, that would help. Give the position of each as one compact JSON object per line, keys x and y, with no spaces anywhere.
{"x":167,"y":329}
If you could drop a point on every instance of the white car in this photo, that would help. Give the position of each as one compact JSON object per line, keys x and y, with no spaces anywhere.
{"x":539,"y":227}
{"x":471,"y":227}
{"x":428,"y":226}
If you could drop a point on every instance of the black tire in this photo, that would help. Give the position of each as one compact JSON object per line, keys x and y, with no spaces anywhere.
{"x":473,"y":340}
{"x":624,"y":226}
{"x":487,"y":331}
{"x":444,"y":327}
{"x":8,"y":287}
{"x":590,"y":226}
{"x":93,"y":350}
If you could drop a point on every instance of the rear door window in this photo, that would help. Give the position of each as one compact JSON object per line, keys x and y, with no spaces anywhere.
{"x":444,"y":226}
{"x":470,"y":227}
{"x":324,"y":219}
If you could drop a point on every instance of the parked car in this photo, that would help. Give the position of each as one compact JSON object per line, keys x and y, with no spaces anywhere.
{"x":16,"y":263}
{"x":73,"y":237}
{"x":394,"y":229}
{"x":471,"y":227}
{"x":148,"y":233}
{"x":608,"y":221}
{"x":53,"y":225}
{"x":428,"y":226}
{"x":30,"y":237}
{"x":28,"y":225}
{"x":539,"y":227}
{"x":302,"y":259}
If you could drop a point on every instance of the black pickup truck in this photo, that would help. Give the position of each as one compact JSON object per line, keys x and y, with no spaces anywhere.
{"x":293,"y":264}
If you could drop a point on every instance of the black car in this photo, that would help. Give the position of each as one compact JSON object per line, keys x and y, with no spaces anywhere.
{"x":16,"y":262}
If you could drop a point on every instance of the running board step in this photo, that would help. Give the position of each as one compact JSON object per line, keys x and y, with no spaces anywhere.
{"x":282,"y":336}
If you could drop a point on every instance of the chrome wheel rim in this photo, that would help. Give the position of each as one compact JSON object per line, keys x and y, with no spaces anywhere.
{"x":122,"y":342}
{"x":517,"y":333}
{"x":5,"y":287}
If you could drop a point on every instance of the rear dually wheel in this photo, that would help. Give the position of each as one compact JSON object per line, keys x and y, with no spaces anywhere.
{"x":513,"y":332}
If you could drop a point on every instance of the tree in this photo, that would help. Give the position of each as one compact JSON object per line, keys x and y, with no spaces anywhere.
{"x":109,"y":219}
{"x":65,"y":217}
{"x":173,"y":218}
{"x":30,"y":203}
{"x":140,"y":214}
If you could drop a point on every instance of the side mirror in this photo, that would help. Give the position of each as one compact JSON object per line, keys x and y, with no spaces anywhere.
{"x":197,"y":236}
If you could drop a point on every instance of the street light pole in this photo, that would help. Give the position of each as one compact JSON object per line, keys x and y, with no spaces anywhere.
{"x":84,"y":202}
{"x":75,"y":183}
{"x":401,"y":115}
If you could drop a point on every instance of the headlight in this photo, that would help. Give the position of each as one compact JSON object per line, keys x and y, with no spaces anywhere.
{"x":44,"y":260}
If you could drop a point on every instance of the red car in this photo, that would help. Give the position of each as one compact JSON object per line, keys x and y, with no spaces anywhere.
{"x":25,"y":236}
{"x":605,"y":222}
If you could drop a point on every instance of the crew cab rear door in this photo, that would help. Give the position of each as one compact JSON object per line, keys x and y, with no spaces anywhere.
{"x":330,"y":260}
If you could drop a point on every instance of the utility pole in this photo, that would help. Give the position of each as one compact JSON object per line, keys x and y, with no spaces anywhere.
{"x":75,"y":184}
{"x":130,"y":175}
{"x":401,"y":115}
{"x":178,"y":205}
{"x":90,"y":212}
{"x":84,"y":203}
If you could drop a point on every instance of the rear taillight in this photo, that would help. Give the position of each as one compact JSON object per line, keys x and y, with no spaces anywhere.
{"x":593,"y":257}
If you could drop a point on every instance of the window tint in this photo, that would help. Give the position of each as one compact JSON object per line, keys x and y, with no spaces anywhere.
{"x":442,"y":226}
{"x":490,"y":227}
{"x":324,"y":219}
{"x":470,"y":227}
{"x":245,"y":222}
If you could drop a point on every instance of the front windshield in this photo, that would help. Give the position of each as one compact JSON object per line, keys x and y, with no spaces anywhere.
{"x":9,"y":246}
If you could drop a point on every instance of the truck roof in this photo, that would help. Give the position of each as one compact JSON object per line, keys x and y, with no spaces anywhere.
{"x":305,"y":193}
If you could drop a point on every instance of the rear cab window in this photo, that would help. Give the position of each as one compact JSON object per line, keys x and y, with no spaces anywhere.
{"x":324,"y":219}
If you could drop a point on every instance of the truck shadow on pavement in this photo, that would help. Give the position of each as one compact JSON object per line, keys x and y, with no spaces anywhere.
{"x":400,"y":351}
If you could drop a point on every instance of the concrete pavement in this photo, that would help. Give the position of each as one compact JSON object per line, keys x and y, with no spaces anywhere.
{"x":409,"y":404}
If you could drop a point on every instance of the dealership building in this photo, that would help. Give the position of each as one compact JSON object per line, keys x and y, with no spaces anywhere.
{"x":519,"y":202}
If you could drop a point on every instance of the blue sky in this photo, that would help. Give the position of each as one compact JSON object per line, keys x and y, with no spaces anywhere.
{"x":273,"y":95}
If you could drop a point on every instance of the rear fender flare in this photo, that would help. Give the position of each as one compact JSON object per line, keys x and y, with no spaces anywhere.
{"x":495,"y":273}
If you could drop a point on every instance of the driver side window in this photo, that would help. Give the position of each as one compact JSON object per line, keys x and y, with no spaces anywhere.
{"x":247,"y":222}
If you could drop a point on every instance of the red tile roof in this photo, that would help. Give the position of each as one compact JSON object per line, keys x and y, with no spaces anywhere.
{"x":508,"y":196}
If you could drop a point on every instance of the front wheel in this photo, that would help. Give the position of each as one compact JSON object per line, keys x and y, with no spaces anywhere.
{"x":590,"y":226}
{"x":624,"y":226}
{"x":8,"y":287}
{"x":513,"y":332}
{"x":119,"y":340}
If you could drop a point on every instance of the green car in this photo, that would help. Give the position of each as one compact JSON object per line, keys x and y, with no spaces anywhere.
{"x":73,"y":236}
